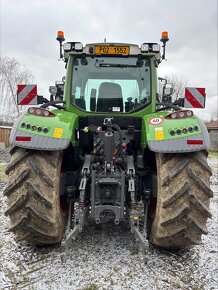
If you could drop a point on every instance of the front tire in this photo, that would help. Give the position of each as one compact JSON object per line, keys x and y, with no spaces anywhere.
{"x":33,"y":196}
{"x":182,"y":200}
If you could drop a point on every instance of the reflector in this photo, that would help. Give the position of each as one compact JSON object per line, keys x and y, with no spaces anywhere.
{"x":23,"y":138}
{"x":194,"y":142}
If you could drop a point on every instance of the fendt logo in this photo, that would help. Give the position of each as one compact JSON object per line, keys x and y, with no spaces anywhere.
{"x":194,"y":97}
{"x":27,"y":95}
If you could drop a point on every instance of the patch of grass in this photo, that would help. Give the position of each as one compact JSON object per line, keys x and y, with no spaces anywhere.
{"x":213,"y":154}
{"x":91,"y":286}
{"x":3,"y":176}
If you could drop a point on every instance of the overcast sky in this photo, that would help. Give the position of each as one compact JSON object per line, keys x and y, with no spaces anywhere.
{"x":28,"y":33}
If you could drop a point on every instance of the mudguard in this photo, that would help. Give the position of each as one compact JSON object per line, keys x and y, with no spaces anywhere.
{"x":45,"y":133}
{"x":190,"y":134}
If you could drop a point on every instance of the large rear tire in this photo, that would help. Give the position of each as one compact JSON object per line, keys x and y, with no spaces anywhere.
{"x":182,"y":200}
{"x":33,"y":196}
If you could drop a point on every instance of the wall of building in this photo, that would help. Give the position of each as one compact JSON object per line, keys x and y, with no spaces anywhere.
{"x":213,"y":133}
{"x":4,"y":135}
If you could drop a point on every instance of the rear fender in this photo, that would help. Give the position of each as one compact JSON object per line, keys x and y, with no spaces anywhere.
{"x":45,"y":133}
{"x":159,"y":138}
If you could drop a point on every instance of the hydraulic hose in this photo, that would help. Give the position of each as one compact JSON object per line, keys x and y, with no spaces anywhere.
{"x":52,"y":103}
{"x":121,"y":137}
{"x":168,"y":105}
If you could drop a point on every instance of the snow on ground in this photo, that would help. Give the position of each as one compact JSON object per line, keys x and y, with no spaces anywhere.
{"x":107,"y":257}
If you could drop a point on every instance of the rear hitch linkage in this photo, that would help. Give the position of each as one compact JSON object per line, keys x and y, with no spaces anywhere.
{"x":78,"y":212}
{"x":138,"y":210}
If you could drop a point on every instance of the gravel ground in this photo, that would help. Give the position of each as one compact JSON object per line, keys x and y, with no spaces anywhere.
{"x":107,"y":258}
{"x":4,"y":156}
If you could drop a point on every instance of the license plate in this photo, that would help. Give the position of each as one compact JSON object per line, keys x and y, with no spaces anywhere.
{"x":112,"y":50}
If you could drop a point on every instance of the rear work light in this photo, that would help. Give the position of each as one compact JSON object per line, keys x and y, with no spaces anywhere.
{"x":144,"y":47}
{"x":78,"y":46}
{"x":156,"y":48}
{"x":40,"y":112}
{"x":180,"y":114}
{"x":73,"y":46}
{"x":67,"y":46}
{"x":150,"y":47}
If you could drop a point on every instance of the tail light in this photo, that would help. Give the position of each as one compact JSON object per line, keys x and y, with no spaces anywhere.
{"x":40,"y":112}
{"x":180,"y":114}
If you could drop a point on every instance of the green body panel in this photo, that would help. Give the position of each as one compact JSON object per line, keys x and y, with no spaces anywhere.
{"x":68,"y":122}
{"x":149,"y":132}
{"x":63,"y":120}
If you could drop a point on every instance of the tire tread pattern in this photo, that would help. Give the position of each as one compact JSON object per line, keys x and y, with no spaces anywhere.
{"x":183,"y":200}
{"x":33,"y":196}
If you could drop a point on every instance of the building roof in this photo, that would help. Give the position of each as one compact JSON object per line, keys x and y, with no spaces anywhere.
{"x":212,"y":125}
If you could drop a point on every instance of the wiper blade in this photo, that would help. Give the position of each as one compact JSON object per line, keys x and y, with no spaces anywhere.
{"x":116,"y":65}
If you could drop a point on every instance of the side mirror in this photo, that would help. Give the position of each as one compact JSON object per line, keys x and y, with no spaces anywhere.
{"x":60,"y":90}
{"x":53,"y":90}
{"x":167,"y":91}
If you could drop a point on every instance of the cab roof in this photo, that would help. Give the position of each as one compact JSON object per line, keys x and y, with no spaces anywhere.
{"x":111,"y":49}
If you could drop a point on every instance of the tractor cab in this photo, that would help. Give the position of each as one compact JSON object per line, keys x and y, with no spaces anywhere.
{"x":115,"y":84}
{"x":111,"y":77}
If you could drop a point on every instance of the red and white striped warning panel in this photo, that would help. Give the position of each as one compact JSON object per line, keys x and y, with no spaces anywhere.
{"x":27,"y":95}
{"x":194,"y":97}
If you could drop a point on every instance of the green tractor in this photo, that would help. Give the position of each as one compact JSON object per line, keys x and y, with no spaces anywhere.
{"x":109,"y":147}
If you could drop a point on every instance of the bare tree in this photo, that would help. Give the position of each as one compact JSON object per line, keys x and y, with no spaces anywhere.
{"x":178,"y":85}
{"x":12,"y":73}
{"x":213,"y":116}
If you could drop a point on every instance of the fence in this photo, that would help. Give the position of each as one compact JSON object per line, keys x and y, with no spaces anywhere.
{"x":4,"y":135}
